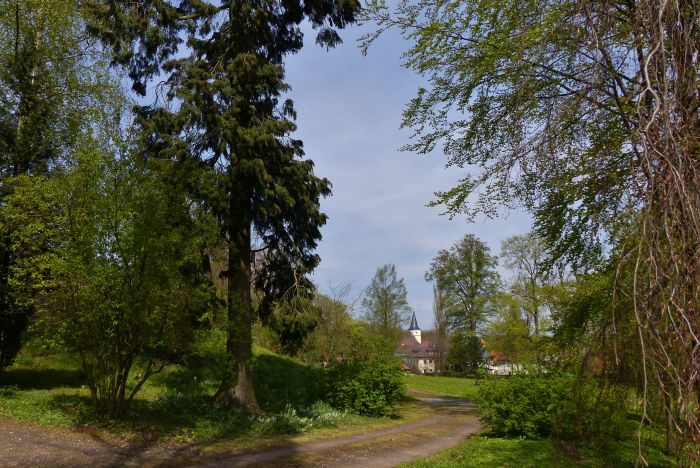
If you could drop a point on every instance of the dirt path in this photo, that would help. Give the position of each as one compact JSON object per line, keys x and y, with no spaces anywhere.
{"x":453,"y":420}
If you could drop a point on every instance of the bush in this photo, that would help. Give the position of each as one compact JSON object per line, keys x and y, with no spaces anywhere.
{"x":368,"y":382}
{"x":523,"y":405}
{"x":557,"y":404}
{"x":120,"y":285}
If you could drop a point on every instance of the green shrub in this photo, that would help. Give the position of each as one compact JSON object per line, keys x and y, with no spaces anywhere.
{"x":368,"y":382}
{"x":557,"y":404}
{"x":523,"y":405}
{"x":595,"y":411}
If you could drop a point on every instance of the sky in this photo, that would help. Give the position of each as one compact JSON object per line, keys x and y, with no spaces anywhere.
{"x":349,"y":112}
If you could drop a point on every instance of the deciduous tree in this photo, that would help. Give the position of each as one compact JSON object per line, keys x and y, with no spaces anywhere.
{"x":587,"y":113}
{"x":467,"y":275}
{"x":119,"y":284}
{"x":526,"y":256}
{"x":54,"y":92}
{"x":385,"y":305}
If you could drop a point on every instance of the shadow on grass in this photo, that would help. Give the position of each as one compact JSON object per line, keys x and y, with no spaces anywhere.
{"x":41,"y":379}
{"x":181,"y":417}
{"x":280,"y":381}
{"x":175,"y":404}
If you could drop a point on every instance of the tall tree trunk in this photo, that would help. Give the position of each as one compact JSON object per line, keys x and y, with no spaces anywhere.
{"x":237,"y":385}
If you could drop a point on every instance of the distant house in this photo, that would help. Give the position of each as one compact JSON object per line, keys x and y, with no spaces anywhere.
{"x":418,"y":354}
{"x":500,"y":364}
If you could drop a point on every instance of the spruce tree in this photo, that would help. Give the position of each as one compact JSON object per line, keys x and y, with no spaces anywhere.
{"x":221,"y":74}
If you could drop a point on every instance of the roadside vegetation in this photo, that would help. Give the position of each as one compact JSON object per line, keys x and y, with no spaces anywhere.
{"x":157,"y":240}
{"x":48,"y":388}
{"x":530,"y":421}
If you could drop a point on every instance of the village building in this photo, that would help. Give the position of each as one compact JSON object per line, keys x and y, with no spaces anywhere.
{"x":418,"y":354}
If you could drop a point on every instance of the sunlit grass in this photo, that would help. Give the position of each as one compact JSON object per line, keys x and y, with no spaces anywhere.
{"x":49,"y":389}
{"x":449,"y":386}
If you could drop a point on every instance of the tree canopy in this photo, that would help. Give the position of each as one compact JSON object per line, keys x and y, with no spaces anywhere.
{"x":466,"y":273}
{"x":56,"y":94}
{"x":221,"y":108}
{"x":385,"y":305}
{"x":586,"y":113}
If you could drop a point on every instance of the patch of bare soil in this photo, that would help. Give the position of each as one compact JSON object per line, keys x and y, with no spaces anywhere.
{"x":23,"y":445}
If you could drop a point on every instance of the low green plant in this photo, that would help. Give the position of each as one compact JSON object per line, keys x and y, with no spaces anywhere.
{"x":369,"y":381}
{"x":523,"y":405}
{"x":559,"y":404}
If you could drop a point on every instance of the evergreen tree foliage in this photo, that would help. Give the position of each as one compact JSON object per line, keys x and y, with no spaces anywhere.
{"x":222,"y":71}
{"x":294,"y":319}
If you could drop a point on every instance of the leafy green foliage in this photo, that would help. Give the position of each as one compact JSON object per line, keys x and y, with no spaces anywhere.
{"x":294,"y":319}
{"x":466,"y":354}
{"x":467,"y":276}
{"x":231,"y":115}
{"x":385,"y":304}
{"x":369,"y":381}
{"x":119,"y":282}
{"x":557,"y":404}
{"x":523,"y":405}
{"x":55,"y":92}
{"x":526,"y":256}
{"x":509,"y":332}
{"x":503,"y":98}
{"x":331,"y":338}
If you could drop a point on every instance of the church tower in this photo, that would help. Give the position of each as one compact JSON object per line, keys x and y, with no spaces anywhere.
{"x":415,"y":331}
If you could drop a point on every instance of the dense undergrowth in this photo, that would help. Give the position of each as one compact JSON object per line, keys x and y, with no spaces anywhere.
{"x":546,"y":420}
{"x":49,"y":389}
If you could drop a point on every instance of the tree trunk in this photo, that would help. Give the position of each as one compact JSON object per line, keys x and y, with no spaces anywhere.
{"x":236,"y":388}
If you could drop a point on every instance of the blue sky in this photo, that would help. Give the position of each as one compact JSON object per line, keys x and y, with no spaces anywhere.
{"x":349,"y":112}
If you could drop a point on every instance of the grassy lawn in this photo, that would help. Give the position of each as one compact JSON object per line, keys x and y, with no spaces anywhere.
{"x":49,"y":390}
{"x":483,"y":452}
{"x":521,"y":453}
{"x":449,"y":386}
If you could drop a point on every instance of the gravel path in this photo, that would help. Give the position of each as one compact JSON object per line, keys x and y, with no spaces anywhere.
{"x":23,"y":445}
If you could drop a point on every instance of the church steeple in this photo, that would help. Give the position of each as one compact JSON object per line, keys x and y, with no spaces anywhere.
{"x":413,"y":329}
{"x":414,"y":323}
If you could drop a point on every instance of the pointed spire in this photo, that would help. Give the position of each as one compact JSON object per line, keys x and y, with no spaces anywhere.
{"x":414,"y":323}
